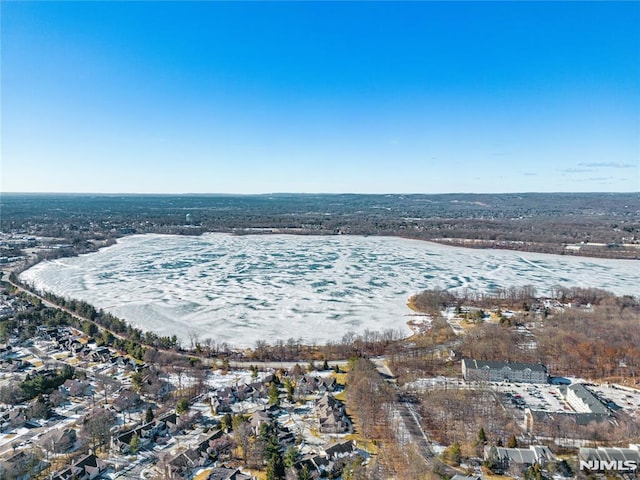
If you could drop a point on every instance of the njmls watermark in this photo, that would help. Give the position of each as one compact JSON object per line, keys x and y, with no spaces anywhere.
{"x":611,"y":465}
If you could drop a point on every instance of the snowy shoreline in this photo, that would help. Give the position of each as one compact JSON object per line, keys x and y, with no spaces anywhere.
{"x":240,"y":289}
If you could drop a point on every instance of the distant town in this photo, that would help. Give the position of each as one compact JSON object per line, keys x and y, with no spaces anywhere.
{"x":503,"y":384}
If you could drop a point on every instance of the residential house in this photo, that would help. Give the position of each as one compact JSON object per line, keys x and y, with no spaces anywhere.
{"x":257,"y":420}
{"x":22,"y":465}
{"x":332,"y":416}
{"x":77,"y":388}
{"x":318,"y":465}
{"x":14,"y":418}
{"x":58,"y":440}
{"x":193,"y":455}
{"x":312,"y":383}
{"x":615,"y":459}
{"x":340,"y":450}
{"x":101,"y":355}
{"x":223,"y":473}
{"x":520,"y":458}
{"x":85,"y":468}
{"x":147,"y":433}
{"x":177,"y":464}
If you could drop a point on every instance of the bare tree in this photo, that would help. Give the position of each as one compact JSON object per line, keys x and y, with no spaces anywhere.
{"x":96,"y":427}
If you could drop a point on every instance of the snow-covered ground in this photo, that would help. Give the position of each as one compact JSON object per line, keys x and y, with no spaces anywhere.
{"x":241,"y":289}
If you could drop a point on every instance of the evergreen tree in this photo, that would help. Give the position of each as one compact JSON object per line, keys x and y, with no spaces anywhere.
{"x":236,"y":421}
{"x":182,"y":406}
{"x":149,"y":415}
{"x":453,"y":454}
{"x":226,"y":422}
{"x":481,"y":441}
{"x":305,"y":474}
{"x":266,"y":433}
{"x":135,"y":443}
{"x":289,"y":388}
{"x":274,"y":394}
{"x":275,"y":462}
{"x":290,"y":457}
{"x":494,"y":462}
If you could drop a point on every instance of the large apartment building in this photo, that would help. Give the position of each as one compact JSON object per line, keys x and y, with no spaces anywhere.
{"x":491,"y":371}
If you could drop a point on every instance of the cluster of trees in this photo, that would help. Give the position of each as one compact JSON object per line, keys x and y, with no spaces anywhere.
{"x":35,"y":385}
{"x":522,"y":297}
{"x":373,"y":403}
{"x":46,"y":382}
{"x":563,"y":428}
{"x":599,"y":342}
{"x":368,"y":343}
{"x":466,"y":418}
{"x":96,"y":427}
{"x":369,"y":398}
{"x":535,"y":222}
{"x":427,"y":354}
{"x":434,"y":301}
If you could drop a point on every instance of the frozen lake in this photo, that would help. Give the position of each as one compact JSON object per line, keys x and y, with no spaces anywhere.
{"x":239,"y":289}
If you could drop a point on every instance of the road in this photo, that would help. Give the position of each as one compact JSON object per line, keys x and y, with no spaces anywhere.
{"x":409,"y":431}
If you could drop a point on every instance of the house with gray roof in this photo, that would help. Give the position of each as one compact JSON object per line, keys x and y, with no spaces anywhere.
{"x":58,"y":440}
{"x":519,"y":457}
{"x":85,"y":468}
{"x":604,"y":458}
{"x":583,"y":400}
{"x":22,"y":465}
{"x":332,"y":416}
{"x":223,"y":473}
{"x":340,"y":449}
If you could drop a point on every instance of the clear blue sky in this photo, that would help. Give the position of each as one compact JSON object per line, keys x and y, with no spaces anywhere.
{"x":236,"y":97}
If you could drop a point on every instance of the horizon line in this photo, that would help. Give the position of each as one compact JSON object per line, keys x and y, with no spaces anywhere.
{"x":236,"y":194}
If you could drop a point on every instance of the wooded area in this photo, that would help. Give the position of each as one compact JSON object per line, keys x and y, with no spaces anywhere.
{"x":526,"y":222}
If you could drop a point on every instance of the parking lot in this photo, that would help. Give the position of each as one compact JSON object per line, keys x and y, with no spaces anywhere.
{"x":550,"y":398}
{"x":621,"y":397}
{"x":535,"y":396}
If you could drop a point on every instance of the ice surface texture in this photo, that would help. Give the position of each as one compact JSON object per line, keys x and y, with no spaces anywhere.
{"x":239,"y":289}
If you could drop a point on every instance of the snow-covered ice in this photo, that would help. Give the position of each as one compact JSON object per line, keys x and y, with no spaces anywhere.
{"x":240,"y":289}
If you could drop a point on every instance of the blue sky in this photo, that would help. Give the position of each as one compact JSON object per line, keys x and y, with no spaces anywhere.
{"x":236,"y":97}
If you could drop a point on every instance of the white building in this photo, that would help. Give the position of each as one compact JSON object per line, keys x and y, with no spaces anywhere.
{"x":583,"y":401}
